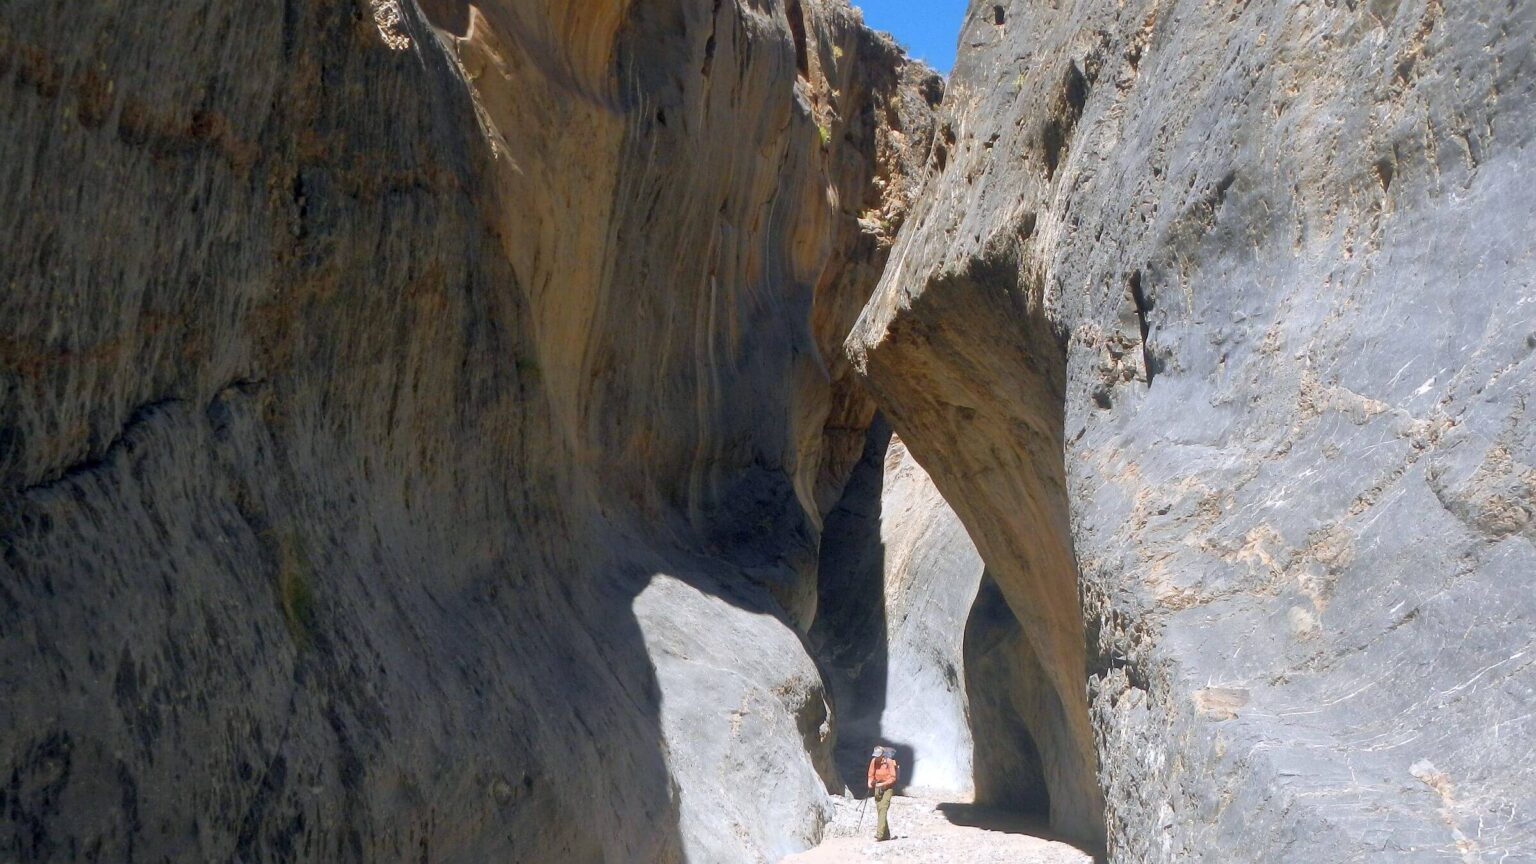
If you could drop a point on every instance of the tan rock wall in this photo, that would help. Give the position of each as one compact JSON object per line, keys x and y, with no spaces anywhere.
{"x":360,"y":374}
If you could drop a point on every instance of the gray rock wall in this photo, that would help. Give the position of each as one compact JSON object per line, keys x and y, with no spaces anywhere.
{"x":1282,"y":257}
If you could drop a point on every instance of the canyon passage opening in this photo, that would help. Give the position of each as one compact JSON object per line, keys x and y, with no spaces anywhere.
{"x":920,"y":648}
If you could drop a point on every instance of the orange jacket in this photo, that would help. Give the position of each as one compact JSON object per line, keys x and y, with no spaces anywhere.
{"x":883,"y":772}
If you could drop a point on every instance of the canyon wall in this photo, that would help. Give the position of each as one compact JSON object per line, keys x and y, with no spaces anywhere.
{"x":426,"y":429}
{"x":1228,"y":311}
{"x":417,"y":421}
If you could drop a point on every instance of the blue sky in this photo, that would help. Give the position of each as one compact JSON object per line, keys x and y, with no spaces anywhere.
{"x":929,"y":28}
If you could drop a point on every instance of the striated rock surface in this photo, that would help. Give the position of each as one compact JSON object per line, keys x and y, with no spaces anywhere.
{"x":416,"y":420}
{"x":1229,"y":310}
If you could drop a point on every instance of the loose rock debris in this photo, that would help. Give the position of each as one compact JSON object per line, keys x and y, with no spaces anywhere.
{"x":933,"y":832}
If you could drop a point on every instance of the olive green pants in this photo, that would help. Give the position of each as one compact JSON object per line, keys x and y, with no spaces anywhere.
{"x":882,"y":805}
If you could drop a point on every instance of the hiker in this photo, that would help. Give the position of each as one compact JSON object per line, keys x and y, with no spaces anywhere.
{"x":883,"y":774}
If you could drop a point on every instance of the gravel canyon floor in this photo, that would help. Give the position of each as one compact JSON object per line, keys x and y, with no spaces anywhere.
{"x":931,"y":832}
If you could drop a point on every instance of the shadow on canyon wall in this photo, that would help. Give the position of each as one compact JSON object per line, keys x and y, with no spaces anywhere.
{"x":1010,"y":776}
{"x":849,"y":637}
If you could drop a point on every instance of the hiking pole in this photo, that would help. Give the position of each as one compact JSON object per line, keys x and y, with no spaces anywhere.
{"x":860,"y":829}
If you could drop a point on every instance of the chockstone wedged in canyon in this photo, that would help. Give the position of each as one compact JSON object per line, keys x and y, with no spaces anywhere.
{"x":522,"y":430}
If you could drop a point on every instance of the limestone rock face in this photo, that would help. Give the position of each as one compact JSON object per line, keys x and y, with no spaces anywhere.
{"x":1229,"y":310}
{"x":405,"y":407}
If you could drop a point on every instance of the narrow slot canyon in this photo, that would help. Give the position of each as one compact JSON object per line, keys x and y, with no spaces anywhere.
{"x":920,"y":649}
{"x":579,"y":431}
{"x":1013,"y":499}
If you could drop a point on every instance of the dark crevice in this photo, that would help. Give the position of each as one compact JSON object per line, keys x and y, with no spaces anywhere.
{"x":300,"y":207}
{"x":1143,"y":311}
{"x":848,"y":637}
{"x":1075,"y":89}
{"x":136,"y":419}
{"x":796,"y":16}
{"x":945,"y":140}
{"x":1222,"y":186}
{"x":1058,"y":129}
{"x":1385,"y":172}
{"x":1052,"y":140}
{"x":713,"y":42}
{"x":1002,"y":681}
{"x":290,"y":27}
{"x":10,"y":445}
